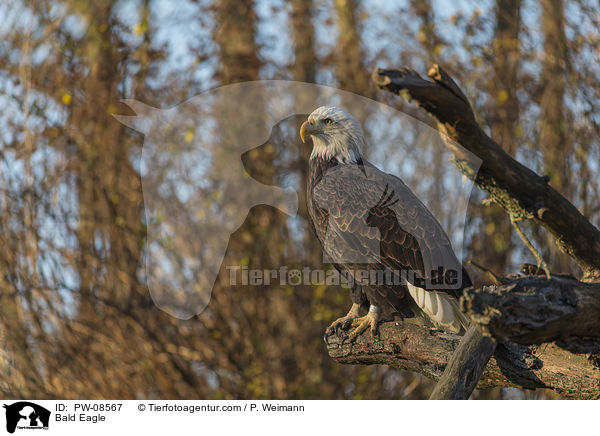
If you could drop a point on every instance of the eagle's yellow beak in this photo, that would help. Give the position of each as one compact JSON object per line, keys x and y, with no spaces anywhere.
{"x":307,"y":129}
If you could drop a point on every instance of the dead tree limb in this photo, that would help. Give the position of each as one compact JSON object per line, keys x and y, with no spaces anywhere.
{"x":426,"y":351}
{"x":530,"y":310}
{"x":465,"y":366}
{"x":516,"y":188}
{"x":534,"y":310}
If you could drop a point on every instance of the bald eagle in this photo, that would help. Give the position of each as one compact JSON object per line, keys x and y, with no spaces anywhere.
{"x":377,"y":232}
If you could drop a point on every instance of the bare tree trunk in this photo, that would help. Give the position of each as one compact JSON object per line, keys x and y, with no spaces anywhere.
{"x":553,"y":139}
{"x":110,"y":232}
{"x":492,"y":245}
{"x":304,"y":70}
{"x":257,"y":371}
{"x":553,"y":127}
{"x":350,"y":72}
{"x":503,"y":110}
{"x":304,"y":67}
{"x":235,"y":37}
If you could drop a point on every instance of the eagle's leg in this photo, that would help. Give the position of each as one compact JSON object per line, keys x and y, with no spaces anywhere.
{"x":370,"y":320}
{"x":344,"y":322}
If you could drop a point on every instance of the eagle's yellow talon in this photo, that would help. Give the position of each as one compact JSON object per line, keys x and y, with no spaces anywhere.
{"x":344,"y":322}
{"x":370,"y":320}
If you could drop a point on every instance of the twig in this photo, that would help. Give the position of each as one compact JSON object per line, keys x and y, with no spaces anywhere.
{"x":527,"y":242}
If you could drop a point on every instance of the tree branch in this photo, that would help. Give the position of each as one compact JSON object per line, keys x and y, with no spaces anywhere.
{"x":465,"y":366}
{"x":420,"y":349}
{"x":521,"y":192}
{"x":534,"y":310}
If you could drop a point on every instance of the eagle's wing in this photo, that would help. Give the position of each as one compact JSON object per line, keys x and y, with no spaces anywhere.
{"x":373,"y":217}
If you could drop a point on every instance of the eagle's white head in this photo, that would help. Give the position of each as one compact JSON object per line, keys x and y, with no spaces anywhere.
{"x":335,"y":133}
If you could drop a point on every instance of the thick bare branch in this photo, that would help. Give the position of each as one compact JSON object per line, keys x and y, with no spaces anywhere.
{"x":420,"y":349}
{"x":534,"y":310}
{"x":520,"y":191}
{"x":463,"y":372}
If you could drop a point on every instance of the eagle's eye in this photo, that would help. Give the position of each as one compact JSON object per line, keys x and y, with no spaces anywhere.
{"x":328,"y":121}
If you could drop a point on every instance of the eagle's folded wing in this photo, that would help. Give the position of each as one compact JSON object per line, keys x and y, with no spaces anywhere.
{"x":376,"y":216}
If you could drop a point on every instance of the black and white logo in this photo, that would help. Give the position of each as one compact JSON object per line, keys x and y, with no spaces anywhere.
{"x":26,"y":415}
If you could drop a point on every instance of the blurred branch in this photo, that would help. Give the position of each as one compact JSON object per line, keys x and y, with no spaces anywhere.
{"x":520,"y":191}
{"x":493,"y":276}
{"x":420,"y":349}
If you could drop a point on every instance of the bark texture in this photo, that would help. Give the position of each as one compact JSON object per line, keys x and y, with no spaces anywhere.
{"x":465,"y":366}
{"x":535,"y":310}
{"x":420,"y":349}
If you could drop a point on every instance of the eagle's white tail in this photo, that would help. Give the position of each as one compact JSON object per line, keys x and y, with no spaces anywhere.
{"x":441,"y":309}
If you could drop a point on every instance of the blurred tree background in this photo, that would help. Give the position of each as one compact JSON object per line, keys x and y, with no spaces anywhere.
{"x":76,"y":317}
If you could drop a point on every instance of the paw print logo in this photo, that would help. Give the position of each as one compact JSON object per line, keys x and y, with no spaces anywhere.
{"x":294,"y":277}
